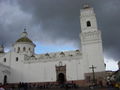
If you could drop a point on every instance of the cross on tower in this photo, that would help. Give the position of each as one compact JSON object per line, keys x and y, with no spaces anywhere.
{"x":93,"y":68}
{"x":25,"y":29}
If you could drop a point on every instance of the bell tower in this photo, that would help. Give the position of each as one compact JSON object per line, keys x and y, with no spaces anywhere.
{"x":91,"y":41}
{"x":88,"y":19}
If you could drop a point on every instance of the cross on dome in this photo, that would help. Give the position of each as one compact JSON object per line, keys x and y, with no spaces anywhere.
{"x":24,"y":29}
{"x":24,"y":34}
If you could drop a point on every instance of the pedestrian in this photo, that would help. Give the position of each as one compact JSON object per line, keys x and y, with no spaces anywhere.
{"x":2,"y":87}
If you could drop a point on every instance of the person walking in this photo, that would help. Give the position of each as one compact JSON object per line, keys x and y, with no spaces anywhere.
{"x":2,"y":88}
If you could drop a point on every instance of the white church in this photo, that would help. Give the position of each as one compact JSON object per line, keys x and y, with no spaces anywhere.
{"x":21,"y":64}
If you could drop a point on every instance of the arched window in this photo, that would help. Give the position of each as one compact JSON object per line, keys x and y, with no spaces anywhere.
{"x":24,"y":48}
{"x":18,"y":49}
{"x":4,"y":59}
{"x":16,"y":59}
{"x":88,"y":23}
{"x":29,"y":49}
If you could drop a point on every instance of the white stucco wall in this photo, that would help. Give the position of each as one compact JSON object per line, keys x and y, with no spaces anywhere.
{"x":44,"y":70}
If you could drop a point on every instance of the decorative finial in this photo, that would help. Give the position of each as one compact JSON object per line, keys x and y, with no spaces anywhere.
{"x":24,"y":34}
{"x":25,"y":29}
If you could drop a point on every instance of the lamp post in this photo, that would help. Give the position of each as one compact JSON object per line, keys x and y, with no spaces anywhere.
{"x":93,"y":67}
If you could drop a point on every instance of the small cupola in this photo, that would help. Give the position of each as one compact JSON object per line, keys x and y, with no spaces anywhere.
{"x":24,"y":37}
{"x":1,"y":49}
{"x":24,"y":45}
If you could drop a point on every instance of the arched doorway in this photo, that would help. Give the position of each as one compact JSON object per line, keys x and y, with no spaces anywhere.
{"x":61,"y":78}
{"x":61,"y":73}
{"x":5,"y":79}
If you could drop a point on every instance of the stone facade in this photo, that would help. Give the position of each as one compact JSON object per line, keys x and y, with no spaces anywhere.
{"x":21,"y":64}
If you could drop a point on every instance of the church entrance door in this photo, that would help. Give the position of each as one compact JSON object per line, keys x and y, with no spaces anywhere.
{"x":61,"y":73}
{"x":61,"y":78}
{"x":5,"y":79}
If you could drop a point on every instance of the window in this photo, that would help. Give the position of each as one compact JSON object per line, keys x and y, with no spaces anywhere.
{"x":18,"y":49}
{"x":29,"y":49}
{"x":16,"y":59}
{"x":88,"y":23}
{"x":24,"y":48}
{"x":4,"y":59}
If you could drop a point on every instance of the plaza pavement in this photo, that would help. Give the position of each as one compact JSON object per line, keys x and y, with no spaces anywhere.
{"x":68,"y":89}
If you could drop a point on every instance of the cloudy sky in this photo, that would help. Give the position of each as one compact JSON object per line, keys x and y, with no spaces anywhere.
{"x":54,"y":24}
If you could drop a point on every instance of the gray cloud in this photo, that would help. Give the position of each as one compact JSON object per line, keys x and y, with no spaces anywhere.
{"x":53,"y":21}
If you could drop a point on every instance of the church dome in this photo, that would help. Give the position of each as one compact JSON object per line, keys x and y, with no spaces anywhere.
{"x":24,"y":37}
{"x":24,"y":45}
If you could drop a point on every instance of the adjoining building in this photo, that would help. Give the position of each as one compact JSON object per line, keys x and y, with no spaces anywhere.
{"x":115,"y":76}
{"x":21,"y":64}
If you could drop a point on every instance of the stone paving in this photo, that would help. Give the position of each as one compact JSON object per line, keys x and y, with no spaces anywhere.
{"x":78,"y":89}
{"x":67,"y":89}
